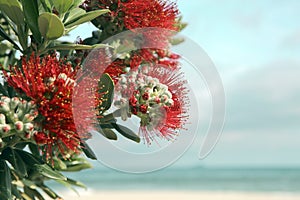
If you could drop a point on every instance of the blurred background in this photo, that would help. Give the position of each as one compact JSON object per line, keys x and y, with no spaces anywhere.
{"x":255,"y":45}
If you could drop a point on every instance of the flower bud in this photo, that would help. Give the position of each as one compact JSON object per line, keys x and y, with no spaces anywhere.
{"x":5,"y":99}
{"x":27,"y":135}
{"x":5,"y":128}
{"x":4,"y":107}
{"x":2,"y":119}
{"x":19,"y":126}
{"x":28,"y":127}
{"x":14,"y":102}
{"x":28,"y":118}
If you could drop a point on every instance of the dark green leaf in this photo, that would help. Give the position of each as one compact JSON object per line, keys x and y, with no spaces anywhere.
{"x":86,"y":17}
{"x":48,"y":172}
{"x":49,"y":192}
{"x":31,"y":13}
{"x":29,"y":159}
{"x":3,"y":90}
{"x":46,"y":5}
{"x":33,"y":193}
{"x":50,"y":26}
{"x":88,"y":151}
{"x":29,"y":184}
{"x":16,"y":161}
{"x":34,"y":149}
{"x":5,"y":36}
{"x":126,"y":132}
{"x":16,"y":192}
{"x":13,"y":10}
{"x":106,"y":88}
{"x":108,"y":133}
{"x":5,"y":181}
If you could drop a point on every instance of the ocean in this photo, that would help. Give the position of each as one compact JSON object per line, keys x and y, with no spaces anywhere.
{"x":194,"y":178}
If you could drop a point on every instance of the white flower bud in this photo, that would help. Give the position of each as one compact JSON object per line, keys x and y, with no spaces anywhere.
{"x":19,"y":126}
{"x":2,"y":119}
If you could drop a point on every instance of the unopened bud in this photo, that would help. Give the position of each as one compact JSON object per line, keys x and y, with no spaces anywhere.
{"x":28,"y":118}
{"x":28,"y":127}
{"x":27,"y":135}
{"x":19,"y":126}
{"x":5,"y":128}
{"x":2,"y":119}
{"x":14,"y":102}
{"x":4,"y":107}
{"x":5,"y":99}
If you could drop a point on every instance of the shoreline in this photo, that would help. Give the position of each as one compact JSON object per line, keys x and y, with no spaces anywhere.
{"x":178,"y":195}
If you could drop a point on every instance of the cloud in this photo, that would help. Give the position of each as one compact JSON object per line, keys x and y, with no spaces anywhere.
{"x":291,"y":41}
{"x":249,"y":21}
{"x":265,"y":99}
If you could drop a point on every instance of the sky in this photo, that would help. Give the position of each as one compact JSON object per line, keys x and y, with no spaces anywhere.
{"x":255,"y":46}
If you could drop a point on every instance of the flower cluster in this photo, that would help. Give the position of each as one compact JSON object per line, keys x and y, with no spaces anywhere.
{"x":16,"y":120}
{"x":49,"y":83}
{"x":152,"y":23}
{"x":158,"y":96}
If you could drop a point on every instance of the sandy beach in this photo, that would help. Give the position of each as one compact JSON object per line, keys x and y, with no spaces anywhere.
{"x":179,"y":195}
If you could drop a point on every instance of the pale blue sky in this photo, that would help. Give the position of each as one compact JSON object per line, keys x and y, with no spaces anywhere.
{"x":255,"y":45}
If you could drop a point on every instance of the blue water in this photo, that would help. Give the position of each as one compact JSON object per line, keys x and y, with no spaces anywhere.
{"x":194,"y":178}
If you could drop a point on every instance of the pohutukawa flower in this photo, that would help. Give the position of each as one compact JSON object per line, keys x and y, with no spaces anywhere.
{"x":49,"y":83}
{"x":158,"y":97}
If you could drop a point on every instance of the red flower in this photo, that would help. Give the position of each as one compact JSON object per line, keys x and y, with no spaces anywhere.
{"x":158,"y":97}
{"x":49,"y":83}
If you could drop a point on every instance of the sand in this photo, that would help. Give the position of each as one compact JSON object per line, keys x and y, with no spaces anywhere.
{"x":179,"y":195}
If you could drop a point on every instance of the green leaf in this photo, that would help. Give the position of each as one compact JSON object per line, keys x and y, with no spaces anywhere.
{"x":29,"y":159}
{"x":74,"y":13}
{"x":106,"y":88}
{"x":50,"y":26}
{"x":88,"y":151}
{"x":176,"y":41}
{"x":48,"y":172}
{"x":77,"y":3}
{"x":3,"y":90}
{"x":33,"y":193}
{"x":16,"y":161}
{"x":126,"y":132}
{"x":77,"y":167}
{"x":34,"y":149}
{"x":29,"y":184}
{"x":16,"y":192}
{"x":31,"y":13}
{"x":71,"y":47}
{"x":5,"y":181}
{"x":49,"y":192}
{"x":13,"y":9}
{"x":59,"y":164}
{"x":46,"y":5}
{"x":76,"y":183}
{"x":86,"y":17}
{"x":5,"y":36}
{"x":108,"y":133}
{"x":62,"y":6}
